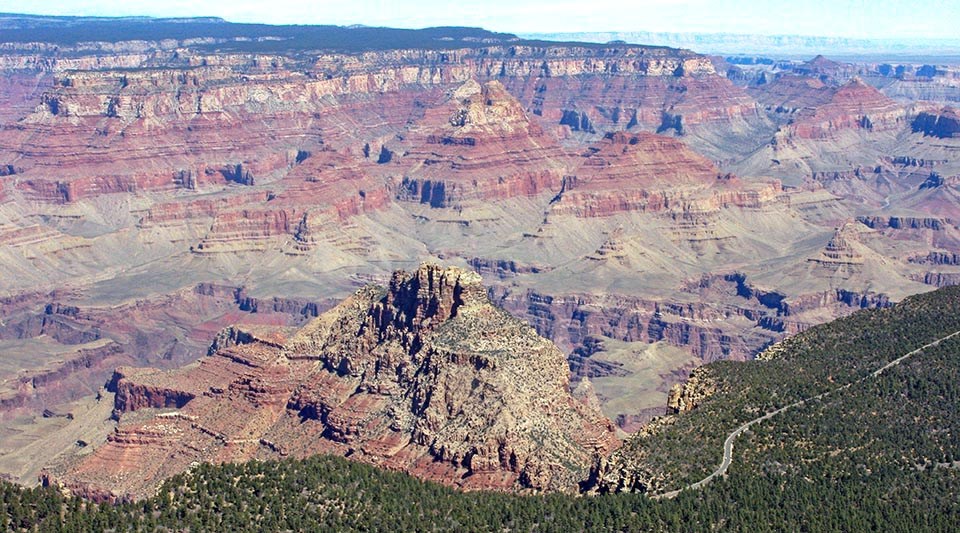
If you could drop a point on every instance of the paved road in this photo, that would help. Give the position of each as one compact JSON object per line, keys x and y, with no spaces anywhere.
{"x":728,"y":443}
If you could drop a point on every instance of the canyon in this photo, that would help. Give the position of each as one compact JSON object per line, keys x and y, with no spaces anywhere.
{"x":646,"y":209}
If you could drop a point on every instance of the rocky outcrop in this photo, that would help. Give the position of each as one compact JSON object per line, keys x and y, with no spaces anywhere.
{"x":134,"y":394}
{"x":689,"y":394}
{"x":942,"y":125}
{"x":939,"y":279}
{"x":424,"y":375}
{"x":840,"y":251}
{"x":907,"y":161}
{"x":936,"y":181}
{"x":503,"y":268}
{"x":937,"y":258}
{"x":897,"y":222}
{"x":825,"y":299}
{"x":251,"y":304}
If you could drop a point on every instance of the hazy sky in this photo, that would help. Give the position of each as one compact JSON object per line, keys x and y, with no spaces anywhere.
{"x":845,"y":18}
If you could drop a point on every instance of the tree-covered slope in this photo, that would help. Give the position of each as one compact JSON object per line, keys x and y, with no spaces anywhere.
{"x":684,"y":449}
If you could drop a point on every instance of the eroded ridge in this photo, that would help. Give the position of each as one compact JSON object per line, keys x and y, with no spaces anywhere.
{"x":424,"y":375}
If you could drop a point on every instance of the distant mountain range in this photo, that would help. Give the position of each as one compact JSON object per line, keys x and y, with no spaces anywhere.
{"x":67,"y":29}
{"x":23,"y":21}
{"x":778,"y":45}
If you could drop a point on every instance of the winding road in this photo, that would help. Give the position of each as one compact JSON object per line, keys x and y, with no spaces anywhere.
{"x":728,"y":443}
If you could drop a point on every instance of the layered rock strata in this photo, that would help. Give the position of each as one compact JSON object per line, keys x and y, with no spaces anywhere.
{"x":478,"y":145}
{"x":425,"y":376}
{"x":852,"y":106}
{"x":652,"y":173}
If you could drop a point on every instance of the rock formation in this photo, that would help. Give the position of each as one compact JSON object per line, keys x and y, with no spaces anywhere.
{"x":689,"y":394}
{"x":854,"y":105}
{"x":478,"y":145}
{"x":840,"y":251}
{"x":945,"y":124}
{"x":425,"y":375}
{"x":651,"y":173}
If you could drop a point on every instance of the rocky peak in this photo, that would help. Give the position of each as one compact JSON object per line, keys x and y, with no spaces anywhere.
{"x":842,"y":249}
{"x":857,"y":90}
{"x":822,"y":66}
{"x":425,"y":298}
{"x":820,"y":61}
{"x":486,"y":108}
{"x":425,"y":375}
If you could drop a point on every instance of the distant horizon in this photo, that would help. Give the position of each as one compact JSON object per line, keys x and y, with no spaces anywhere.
{"x":887,"y":20}
{"x":519,"y":34}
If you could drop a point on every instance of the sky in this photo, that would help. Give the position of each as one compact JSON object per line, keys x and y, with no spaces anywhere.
{"x":887,"y":19}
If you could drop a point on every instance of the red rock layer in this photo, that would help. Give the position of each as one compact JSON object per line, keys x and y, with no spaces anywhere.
{"x":789,"y":93}
{"x":19,"y":93}
{"x":114,"y":126}
{"x":654,"y":173}
{"x":479,"y":145}
{"x":336,"y":184}
{"x":853,"y":106}
{"x":616,"y":101}
{"x":343,"y":137}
